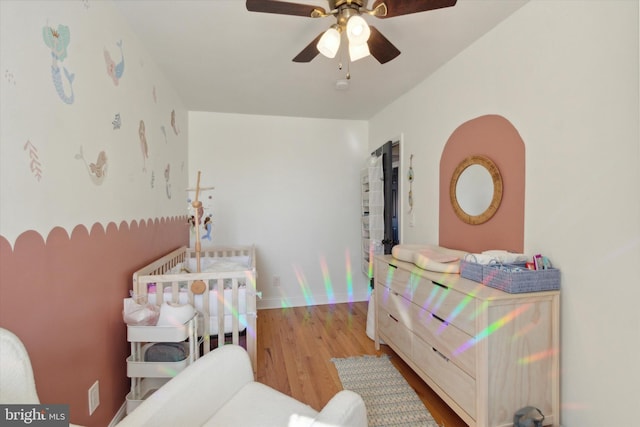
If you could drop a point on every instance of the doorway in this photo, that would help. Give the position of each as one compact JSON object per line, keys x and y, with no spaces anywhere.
{"x":390,"y":152}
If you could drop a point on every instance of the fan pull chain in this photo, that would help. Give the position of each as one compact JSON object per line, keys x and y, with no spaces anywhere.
{"x":348,"y":76}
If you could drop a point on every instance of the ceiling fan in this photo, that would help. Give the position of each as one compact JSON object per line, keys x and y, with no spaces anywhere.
{"x":363,"y":39}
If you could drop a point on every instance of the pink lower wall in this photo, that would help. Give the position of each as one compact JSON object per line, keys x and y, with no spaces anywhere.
{"x":63,"y":298}
{"x":495,"y":137}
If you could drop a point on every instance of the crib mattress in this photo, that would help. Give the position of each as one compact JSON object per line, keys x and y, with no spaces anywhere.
{"x":228,"y":324}
{"x":213,"y":264}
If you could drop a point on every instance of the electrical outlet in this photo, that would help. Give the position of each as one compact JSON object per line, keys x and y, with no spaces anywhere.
{"x":276,"y":281}
{"x":94,"y":397}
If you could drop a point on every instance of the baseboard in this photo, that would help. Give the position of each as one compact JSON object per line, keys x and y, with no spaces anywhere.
{"x":322,"y":299}
{"x":122,"y":412}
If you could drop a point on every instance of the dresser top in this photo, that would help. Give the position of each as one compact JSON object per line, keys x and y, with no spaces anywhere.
{"x":461,"y":284}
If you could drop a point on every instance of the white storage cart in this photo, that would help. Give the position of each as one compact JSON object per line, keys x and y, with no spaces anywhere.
{"x":147,"y":377}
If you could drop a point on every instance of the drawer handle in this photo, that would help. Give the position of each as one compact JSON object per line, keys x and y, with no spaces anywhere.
{"x":440,"y":319}
{"x":393,"y":266}
{"x":439,"y":284}
{"x":392,"y":317}
{"x":440,"y":354}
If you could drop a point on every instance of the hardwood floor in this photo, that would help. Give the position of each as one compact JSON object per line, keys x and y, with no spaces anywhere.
{"x":295,"y":347}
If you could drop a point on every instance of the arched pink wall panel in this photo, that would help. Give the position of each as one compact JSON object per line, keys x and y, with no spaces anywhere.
{"x":495,"y":137}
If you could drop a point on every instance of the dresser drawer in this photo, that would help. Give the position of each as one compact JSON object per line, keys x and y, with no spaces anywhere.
{"x":395,"y":278}
{"x":453,"y":343}
{"x":434,"y":322}
{"x":451,"y":379}
{"x":394,"y":332}
{"x":393,"y":303}
{"x":454,"y":307}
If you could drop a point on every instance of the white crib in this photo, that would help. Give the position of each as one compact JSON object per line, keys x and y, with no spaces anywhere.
{"x":228,"y":301}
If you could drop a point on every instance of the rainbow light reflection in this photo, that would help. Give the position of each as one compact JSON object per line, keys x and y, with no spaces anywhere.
{"x":370,"y":267}
{"x":492,"y":328}
{"x":327,"y":282}
{"x":304,"y":287}
{"x":250,"y":281}
{"x":328,"y":287}
{"x":461,"y":306}
{"x":537,"y":356}
{"x":349,"y":277}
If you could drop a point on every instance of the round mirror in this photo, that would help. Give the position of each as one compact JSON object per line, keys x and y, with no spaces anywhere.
{"x":476,"y":189}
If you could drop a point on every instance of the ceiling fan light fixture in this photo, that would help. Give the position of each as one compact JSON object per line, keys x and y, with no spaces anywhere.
{"x":358,"y":51}
{"x":349,"y":17}
{"x":358,"y":31}
{"x":329,"y":43}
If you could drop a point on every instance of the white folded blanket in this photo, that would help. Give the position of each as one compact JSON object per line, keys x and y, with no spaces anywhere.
{"x":175,"y":314}
{"x":496,"y":256}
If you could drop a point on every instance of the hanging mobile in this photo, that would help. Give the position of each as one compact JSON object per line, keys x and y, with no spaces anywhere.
{"x":198,"y":286}
{"x":410,"y":178}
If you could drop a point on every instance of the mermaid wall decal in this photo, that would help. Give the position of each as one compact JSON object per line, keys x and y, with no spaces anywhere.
{"x":115,"y":71}
{"x":57,"y":41}
{"x":207,"y":226}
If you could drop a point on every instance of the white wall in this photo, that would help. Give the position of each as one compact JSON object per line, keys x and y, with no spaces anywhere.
{"x":565,"y":73}
{"x":291,"y":187}
{"x":45,"y":182}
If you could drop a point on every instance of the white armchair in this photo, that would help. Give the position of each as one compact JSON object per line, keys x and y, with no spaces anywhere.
{"x":17,"y":385}
{"x":219,"y":390}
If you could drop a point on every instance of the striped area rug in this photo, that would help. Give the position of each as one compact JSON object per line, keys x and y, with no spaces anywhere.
{"x":389,"y":399}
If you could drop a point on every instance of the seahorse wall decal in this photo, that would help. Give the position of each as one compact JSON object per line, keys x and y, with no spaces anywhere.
{"x":98,"y":170}
{"x":164,"y":132}
{"x":58,"y":41}
{"x":143,"y":145}
{"x":167,"y":177}
{"x":115,"y":71}
{"x":117,"y":121}
{"x":174,"y":125}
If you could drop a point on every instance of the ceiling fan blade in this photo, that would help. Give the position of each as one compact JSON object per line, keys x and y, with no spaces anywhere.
{"x":309,"y":52}
{"x":405,"y":7}
{"x":380,"y":47}
{"x":284,"y":8}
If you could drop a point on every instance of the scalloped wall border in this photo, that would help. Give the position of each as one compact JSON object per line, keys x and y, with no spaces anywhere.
{"x":63,"y":295}
{"x":95,"y":227}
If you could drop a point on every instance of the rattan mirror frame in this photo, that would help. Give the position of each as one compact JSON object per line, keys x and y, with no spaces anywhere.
{"x":493,"y":170}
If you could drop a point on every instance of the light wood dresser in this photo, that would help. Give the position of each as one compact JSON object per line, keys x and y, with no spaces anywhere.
{"x":487,"y":353}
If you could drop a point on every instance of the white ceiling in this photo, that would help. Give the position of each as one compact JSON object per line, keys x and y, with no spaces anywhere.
{"x":221,"y":58}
